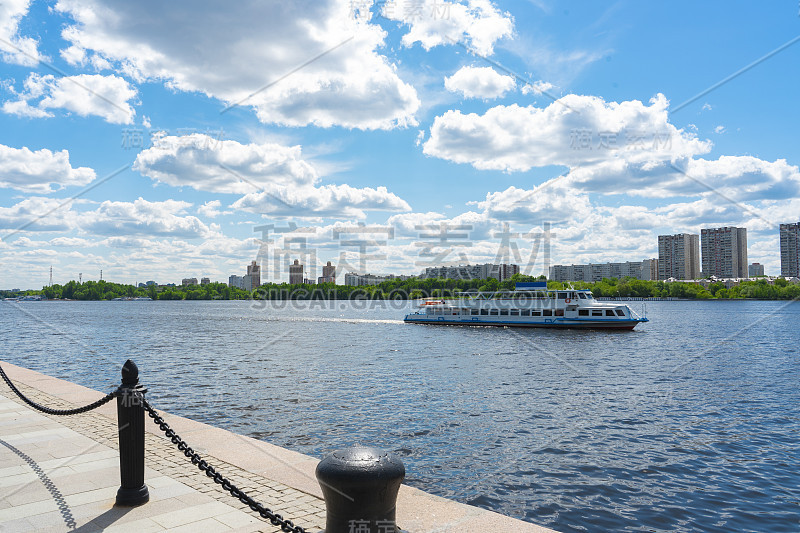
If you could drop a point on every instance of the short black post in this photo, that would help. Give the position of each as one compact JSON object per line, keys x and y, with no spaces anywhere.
{"x":360,"y":486}
{"x":130,"y":419}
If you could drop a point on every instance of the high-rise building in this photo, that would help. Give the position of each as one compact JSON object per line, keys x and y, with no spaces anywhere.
{"x":188,"y":281}
{"x":296,"y":275}
{"x":329,"y":271}
{"x":679,"y":256}
{"x":254,"y":271}
{"x":724,"y":252}
{"x":790,"y":250}
{"x":236,"y":281}
{"x":755,"y":269}
{"x":649,"y":270}
{"x":328,"y":274}
{"x":204,"y":281}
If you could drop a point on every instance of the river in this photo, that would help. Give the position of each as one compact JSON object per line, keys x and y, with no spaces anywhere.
{"x":690,"y":422}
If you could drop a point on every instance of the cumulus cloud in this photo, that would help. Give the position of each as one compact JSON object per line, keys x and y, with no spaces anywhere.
{"x":207,"y":164}
{"x":730,"y":177}
{"x":15,"y":48}
{"x":37,"y":213}
{"x":251,"y":53}
{"x":211,"y":209}
{"x":107,"y":97}
{"x":537,"y":87}
{"x":40,"y":171}
{"x":479,"y":82}
{"x":575,"y":130}
{"x":329,"y":201}
{"x":141,"y":217}
{"x":548,"y":202}
{"x":274,"y":179}
{"x":477,"y":23}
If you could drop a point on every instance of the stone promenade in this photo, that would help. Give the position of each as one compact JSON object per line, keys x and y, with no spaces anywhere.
{"x":61,"y":473}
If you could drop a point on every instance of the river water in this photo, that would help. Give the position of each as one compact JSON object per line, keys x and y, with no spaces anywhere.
{"x":690,"y":422}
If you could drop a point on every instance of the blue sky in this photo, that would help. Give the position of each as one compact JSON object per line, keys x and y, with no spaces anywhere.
{"x":150,"y":141}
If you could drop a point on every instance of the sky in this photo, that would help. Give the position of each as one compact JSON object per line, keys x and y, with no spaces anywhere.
{"x":159,"y":141}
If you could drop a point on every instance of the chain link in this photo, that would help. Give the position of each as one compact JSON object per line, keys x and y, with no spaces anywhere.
{"x":63,"y":412}
{"x":274,"y":518}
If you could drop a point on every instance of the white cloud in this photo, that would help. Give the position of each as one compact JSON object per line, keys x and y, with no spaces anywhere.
{"x":37,"y":213}
{"x":479,"y":82}
{"x":719,"y":130}
{"x":477,"y":23}
{"x":734,"y":178}
{"x":251,"y":55}
{"x":107,"y":97}
{"x":274,"y":179}
{"x":208,"y":164}
{"x":15,"y":48}
{"x":575,"y":130}
{"x":141,"y":217}
{"x":550,"y":201}
{"x":211,"y":209}
{"x":329,"y":201}
{"x":39,"y":171}
{"x":537,"y":87}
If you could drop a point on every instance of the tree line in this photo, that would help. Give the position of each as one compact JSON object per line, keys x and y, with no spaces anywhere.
{"x":414,"y":288}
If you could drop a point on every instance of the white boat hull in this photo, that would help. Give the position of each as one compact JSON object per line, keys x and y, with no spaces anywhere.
{"x":554,"y":322}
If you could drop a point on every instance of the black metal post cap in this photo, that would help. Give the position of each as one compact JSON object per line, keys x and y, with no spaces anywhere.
{"x":130,"y":373}
{"x":360,"y":486}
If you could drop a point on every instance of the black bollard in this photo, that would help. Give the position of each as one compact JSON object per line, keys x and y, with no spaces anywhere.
{"x":130,"y":419}
{"x":360,"y":486}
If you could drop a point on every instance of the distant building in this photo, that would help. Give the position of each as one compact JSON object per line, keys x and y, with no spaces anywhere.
{"x":485,"y":271}
{"x":594,"y":272}
{"x":309,"y":281}
{"x":149,"y":283}
{"x":236,"y":281}
{"x":755,"y":269}
{"x":329,"y":271}
{"x":649,"y":269}
{"x":254,"y":273}
{"x":296,"y":274}
{"x":204,"y":281}
{"x":359,"y":280}
{"x":724,"y":252}
{"x":679,"y":256}
{"x":188,"y":281}
{"x":790,"y":250}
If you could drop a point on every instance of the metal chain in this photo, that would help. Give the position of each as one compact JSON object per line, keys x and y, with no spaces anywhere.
{"x":49,"y":411}
{"x":276,"y":519}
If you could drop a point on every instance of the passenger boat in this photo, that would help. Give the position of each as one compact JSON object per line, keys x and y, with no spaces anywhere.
{"x":529,"y":305}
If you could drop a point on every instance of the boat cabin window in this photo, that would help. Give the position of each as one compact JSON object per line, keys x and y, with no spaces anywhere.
{"x":437,"y":310}
{"x":473,"y":312}
{"x":493,"y":312}
{"x":563,"y":295}
{"x":597,"y":312}
{"x":620,"y":312}
{"x":515,"y":312}
{"x":559,"y":312}
{"x":583,"y":312}
{"x":536,"y":313}
{"x":504,"y":312}
{"x":581,"y":296}
{"x":609,"y":312}
{"x":525,"y":312}
{"x":484,"y":311}
{"x":548,"y":312}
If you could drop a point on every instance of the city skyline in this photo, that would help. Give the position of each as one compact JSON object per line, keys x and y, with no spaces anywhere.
{"x":368,"y":130}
